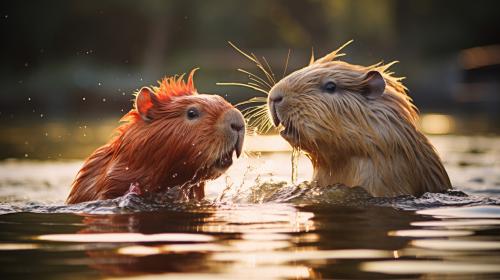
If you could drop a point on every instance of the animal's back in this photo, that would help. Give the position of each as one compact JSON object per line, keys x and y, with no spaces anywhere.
{"x":90,"y":176}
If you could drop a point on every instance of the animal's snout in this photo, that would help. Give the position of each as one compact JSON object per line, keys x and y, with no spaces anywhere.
{"x":234,"y":126}
{"x":237,"y":126}
{"x":275,"y":98}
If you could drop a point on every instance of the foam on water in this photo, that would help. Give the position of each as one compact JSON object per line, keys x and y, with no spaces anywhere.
{"x":301,"y":194}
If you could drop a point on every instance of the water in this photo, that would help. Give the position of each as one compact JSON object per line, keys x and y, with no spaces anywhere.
{"x":295,"y":163}
{"x":256,"y":224}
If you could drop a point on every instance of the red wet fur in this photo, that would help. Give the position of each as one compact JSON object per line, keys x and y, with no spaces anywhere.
{"x":177,"y":151}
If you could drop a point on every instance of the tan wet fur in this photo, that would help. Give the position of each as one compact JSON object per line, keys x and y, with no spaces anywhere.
{"x":363,"y":133}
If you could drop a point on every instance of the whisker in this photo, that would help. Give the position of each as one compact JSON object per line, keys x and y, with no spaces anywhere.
{"x":242,"y":52}
{"x":268,"y":76}
{"x":270,"y":70}
{"x":242,"y":85}
{"x":253,"y":75}
{"x":254,"y":84}
{"x":253,"y":100}
{"x":260,"y":84}
{"x":286,"y":62}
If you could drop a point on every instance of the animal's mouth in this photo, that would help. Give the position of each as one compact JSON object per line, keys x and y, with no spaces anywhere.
{"x":225,"y":160}
{"x":290,"y":133}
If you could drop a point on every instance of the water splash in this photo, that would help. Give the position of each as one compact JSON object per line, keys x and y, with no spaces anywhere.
{"x":295,"y":163}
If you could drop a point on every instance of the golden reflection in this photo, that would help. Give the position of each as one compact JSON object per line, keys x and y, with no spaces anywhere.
{"x":429,"y":233}
{"x":464,"y":212}
{"x":249,"y":246}
{"x":235,"y":272}
{"x":139,"y":251}
{"x":265,"y":236}
{"x":459,"y":224}
{"x":437,"y":124}
{"x":456,"y":245}
{"x":126,"y":237}
{"x":291,"y":256}
{"x":395,"y":254}
{"x":263,"y":219}
{"x":173,"y":248}
{"x":417,"y":267}
{"x":18,"y":246}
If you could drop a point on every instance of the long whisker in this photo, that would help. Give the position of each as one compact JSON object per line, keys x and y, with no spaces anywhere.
{"x":253,"y":100}
{"x":257,"y":115}
{"x":268,"y":75}
{"x":286,"y":62}
{"x":270,"y":70}
{"x":242,"y":85}
{"x":262,"y":86}
{"x":255,"y":76}
{"x":243,"y":53}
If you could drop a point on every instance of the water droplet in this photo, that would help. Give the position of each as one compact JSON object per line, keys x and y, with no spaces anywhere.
{"x":29,"y":98}
{"x":295,"y":162}
{"x":83,"y":98}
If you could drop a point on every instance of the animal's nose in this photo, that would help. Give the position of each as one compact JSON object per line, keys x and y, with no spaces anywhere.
{"x":276,"y":96}
{"x":234,"y":125}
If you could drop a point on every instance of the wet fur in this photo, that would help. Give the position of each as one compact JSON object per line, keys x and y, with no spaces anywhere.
{"x":163,"y":151}
{"x":356,"y":140}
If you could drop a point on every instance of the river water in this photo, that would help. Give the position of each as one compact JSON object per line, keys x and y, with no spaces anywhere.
{"x":256,"y":224}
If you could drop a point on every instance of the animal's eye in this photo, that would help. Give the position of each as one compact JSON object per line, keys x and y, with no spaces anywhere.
{"x":192,"y":113}
{"x":329,"y":87}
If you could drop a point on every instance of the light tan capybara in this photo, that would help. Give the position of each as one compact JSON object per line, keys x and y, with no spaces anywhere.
{"x":172,"y":137}
{"x":358,"y":126}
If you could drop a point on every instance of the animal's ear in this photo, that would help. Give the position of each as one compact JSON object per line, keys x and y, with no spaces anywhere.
{"x":374,"y":84}
{"x":144,"y":101}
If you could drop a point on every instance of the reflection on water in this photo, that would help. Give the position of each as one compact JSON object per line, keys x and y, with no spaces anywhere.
{"x":314,"y":241}
{"x":256,"y":224}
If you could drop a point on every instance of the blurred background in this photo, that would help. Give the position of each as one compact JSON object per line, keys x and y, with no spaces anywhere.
{"x":69,"y":68}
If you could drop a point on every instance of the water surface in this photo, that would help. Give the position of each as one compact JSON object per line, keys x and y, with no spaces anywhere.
{"x":256,"y":224}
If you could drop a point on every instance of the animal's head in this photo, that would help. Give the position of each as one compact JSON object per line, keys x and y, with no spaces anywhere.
{"x":336,"y":107}
{"x":177,"y":134}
